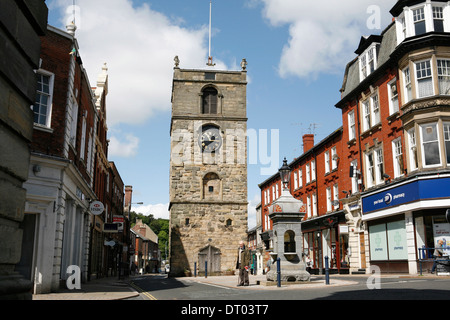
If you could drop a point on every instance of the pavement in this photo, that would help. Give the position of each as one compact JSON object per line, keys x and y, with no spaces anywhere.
{"x":111,"y":288}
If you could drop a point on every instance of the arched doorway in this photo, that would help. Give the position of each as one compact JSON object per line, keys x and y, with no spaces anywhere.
{"x":210,"y":257}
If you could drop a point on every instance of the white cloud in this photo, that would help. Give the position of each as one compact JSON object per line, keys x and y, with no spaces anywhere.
{"x":159,"y":210}
{"x":322,"y":34}
{"x":139,"y":45}
{"x":125,"y":148}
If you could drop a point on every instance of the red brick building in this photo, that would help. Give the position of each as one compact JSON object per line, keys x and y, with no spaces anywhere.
{"x":65,"y":175}
{"x":392,"y":152}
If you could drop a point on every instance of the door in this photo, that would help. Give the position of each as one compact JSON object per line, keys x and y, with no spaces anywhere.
{"x":25,"y":266}
{"x":209,"y":257}
{"x":362,"y":250}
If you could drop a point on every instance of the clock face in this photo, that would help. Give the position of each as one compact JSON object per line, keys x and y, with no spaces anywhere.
{"x":210,"y":139}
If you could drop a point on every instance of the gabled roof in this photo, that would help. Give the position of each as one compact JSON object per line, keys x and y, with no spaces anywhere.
{"x":365,"y":42}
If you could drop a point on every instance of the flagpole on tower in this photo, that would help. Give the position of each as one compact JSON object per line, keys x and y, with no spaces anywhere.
{"x":210,"y":59}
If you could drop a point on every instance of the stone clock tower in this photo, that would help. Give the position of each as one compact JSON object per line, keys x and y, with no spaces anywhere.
{"x":208,"y":169}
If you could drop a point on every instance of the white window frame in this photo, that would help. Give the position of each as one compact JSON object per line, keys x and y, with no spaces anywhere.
{"x":295,"y":179}
{"x":446,"y":128}
{"x":397,"y":157}
{"x":412,"y":150}
{"x":407,"y":86}
{"x":443,"y":71}
{"x":327,"y":161}
{"x":300,"y":178}
{"x":419,"y":16}
{"x":313,"y":170}
{"x":351,"y":125}
{"x":354,"y":164}
{"x":424,"y":153}
{"x":394,"y":105}
{"x":328,"y":195}
{"x":336,"y":196}
{"x":374,"y":168}
{"x":423,"y":76}
{"x":48,"y":116}
{"x":308,"y":173}
{"x":333,"y":158}
{"x":83,"y":138}
{"x":314,"y":204}
{"x":368,"y":61}
{"x":308,"y":205}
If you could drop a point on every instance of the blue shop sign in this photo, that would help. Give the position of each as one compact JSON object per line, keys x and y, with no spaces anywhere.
{"x":414,"y":191}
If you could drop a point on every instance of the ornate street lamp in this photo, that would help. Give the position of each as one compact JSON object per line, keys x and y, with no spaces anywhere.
{"x":285,"y":174}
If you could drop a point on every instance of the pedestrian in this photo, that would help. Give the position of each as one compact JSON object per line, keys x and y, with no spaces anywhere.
{"x":308,"y":263}
{"x":437,"y":254}
{"x":243,"y":262}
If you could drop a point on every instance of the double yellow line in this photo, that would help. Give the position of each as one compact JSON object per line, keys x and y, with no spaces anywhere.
{"x":145,"y":293}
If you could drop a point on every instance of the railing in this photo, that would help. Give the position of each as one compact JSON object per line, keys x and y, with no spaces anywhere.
{"x":426,"y":255}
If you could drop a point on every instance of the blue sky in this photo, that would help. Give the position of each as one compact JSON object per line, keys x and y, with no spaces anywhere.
{"x":296,"y":52}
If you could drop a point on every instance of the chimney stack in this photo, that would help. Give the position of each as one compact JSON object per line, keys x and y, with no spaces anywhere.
{"x":308,"y":142}
{"x":128,"y":196}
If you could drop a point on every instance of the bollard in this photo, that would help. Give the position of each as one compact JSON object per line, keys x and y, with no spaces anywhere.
{"x":195,"y":269}
{"x":327,"y":273}
{"x":206,"y":269}
{"x":278,"y":273}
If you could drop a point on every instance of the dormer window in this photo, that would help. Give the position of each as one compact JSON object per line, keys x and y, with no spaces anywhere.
{"x":438,"y":19}
{"x":368,"y":62}
{"x":419,"y":21}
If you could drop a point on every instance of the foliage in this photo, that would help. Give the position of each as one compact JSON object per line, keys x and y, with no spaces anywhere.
{"x":159,"y":226}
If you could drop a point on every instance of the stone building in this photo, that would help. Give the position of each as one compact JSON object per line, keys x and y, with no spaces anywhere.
{"x":21,"y":24}
{"x":208,"y":169}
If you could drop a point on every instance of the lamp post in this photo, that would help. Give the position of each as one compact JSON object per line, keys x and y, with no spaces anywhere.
{"x":285,"y":174}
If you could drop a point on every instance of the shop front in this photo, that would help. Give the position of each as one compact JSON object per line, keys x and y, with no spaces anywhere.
{"x":327,"y":236}
{"x":405,"y":220}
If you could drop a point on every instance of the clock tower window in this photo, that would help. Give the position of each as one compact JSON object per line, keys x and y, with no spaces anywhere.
{"x":209,"y":101}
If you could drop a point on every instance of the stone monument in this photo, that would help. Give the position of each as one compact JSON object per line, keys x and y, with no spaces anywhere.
{"x":286,"y":214}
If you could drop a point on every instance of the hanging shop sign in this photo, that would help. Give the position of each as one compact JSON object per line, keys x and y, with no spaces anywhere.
{"x":120,"y":221}
{"x":96,"y":208}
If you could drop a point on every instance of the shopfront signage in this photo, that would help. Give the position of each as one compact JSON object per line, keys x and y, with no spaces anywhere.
{"x":96,"y":208}
{"x":416,"y":190}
